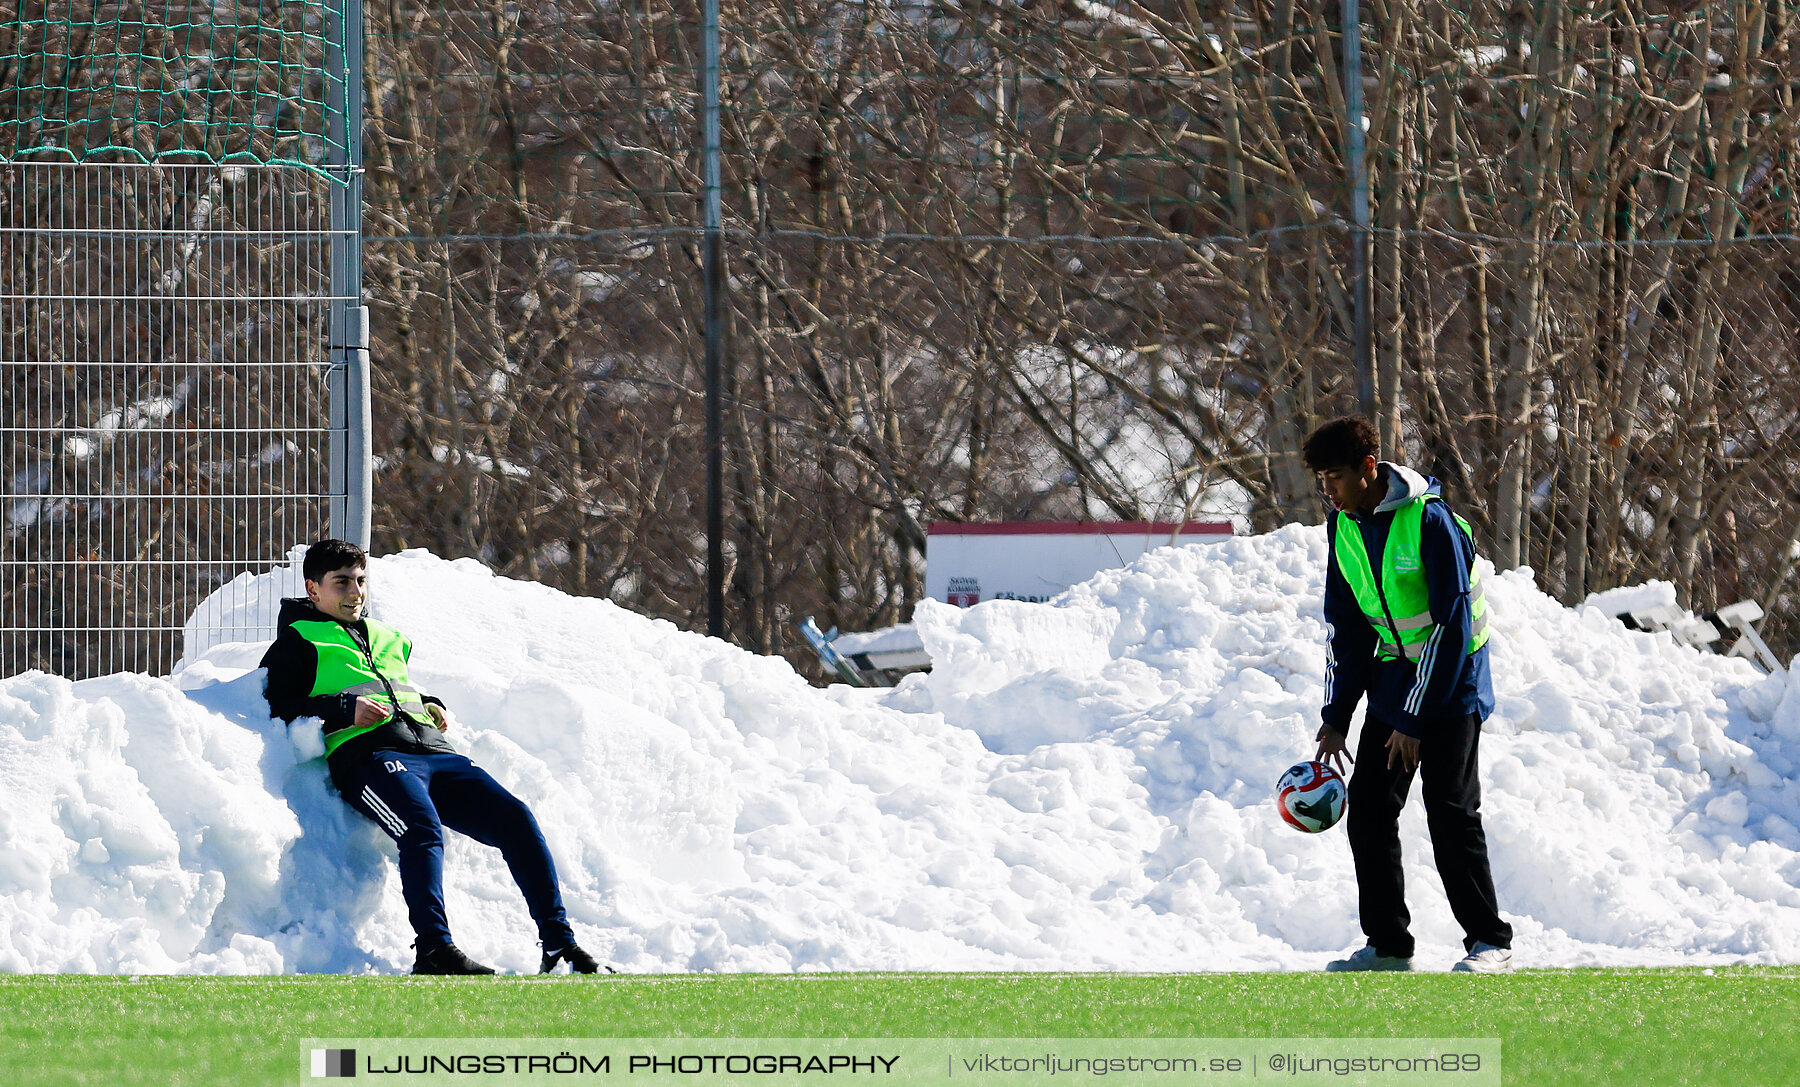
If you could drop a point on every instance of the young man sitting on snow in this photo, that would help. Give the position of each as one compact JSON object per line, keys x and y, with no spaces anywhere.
{"x":385,"y":747}
{"x":1408,"y":627}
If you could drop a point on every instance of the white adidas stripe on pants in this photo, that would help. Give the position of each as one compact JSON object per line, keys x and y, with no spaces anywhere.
{"x":394,"y":824}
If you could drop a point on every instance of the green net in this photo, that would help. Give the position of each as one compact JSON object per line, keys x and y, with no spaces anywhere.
{"x":181,"y":80}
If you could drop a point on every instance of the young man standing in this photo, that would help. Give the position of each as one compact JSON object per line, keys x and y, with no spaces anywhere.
{"x":386,"y":751}
{"x":1407,"y":625}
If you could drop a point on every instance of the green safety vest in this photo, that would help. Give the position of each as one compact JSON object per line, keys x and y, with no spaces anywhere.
{"x":1398,"y":606}
{"x":376,"y":671}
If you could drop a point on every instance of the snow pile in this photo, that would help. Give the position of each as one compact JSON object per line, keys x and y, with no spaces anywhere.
{"x":1083,"y":785}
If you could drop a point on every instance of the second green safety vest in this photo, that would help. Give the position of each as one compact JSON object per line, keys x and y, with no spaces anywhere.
{"x":1399,"y":606}
{"x":376,"y":671}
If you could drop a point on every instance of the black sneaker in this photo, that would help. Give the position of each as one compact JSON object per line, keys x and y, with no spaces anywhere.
{"x":580,"y":962}
{"x":447,"y":959}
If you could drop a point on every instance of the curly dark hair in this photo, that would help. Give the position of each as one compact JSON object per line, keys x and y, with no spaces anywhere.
{"x":328,"y":555}
{"x":1341,"y":443}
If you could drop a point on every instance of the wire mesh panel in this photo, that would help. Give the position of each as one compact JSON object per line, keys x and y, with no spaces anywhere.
{"x":166,"y":418}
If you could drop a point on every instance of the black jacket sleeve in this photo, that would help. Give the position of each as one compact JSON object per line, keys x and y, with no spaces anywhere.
{"x":292,"y":663}
{"x":1349,"y":645}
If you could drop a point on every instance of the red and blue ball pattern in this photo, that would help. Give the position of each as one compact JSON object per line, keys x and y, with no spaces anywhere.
{"x":1311,"y":797}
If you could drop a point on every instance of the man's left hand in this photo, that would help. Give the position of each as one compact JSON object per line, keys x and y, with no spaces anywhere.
{"x":1332,"y":749}
{"x":1404,"y":748}
{"x":438,"y":715}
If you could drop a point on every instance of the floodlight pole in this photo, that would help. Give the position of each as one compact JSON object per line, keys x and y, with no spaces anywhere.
{"x":347,"y":324}
{"x":1356,"y":165}
{"x":713,"y":285}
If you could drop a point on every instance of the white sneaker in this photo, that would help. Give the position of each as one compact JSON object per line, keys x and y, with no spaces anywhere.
{"x":1485,"y":958}
{"x":1368,"y":958}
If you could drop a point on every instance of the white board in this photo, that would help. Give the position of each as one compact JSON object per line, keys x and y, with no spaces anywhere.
{"x":1034,"y":560}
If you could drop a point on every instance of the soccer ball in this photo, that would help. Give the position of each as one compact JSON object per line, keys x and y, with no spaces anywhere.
{"x":1311,"y":797}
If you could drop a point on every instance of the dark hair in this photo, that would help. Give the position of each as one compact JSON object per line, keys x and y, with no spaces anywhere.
{"x":1341,"y":443}
{"x":328,"y":555}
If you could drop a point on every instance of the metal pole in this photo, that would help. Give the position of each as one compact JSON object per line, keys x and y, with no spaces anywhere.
{"x":713,"y":274}
{"x":1357,"y":167}
{"x":347,"y":330}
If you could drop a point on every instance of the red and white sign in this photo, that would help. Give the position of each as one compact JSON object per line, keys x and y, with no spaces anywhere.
{"x":1034,"y":560}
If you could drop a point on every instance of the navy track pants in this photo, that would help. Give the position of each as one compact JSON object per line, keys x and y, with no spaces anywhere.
{"x":413,"y":797}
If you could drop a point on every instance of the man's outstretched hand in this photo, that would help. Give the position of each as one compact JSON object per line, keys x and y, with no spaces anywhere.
{"x":1333,"y":751}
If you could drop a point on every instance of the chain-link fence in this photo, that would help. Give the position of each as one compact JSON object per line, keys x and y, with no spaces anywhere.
{"x":166,"y":421}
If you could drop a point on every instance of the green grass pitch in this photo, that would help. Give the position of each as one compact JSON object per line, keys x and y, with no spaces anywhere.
{"x":1642,"y":1027}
